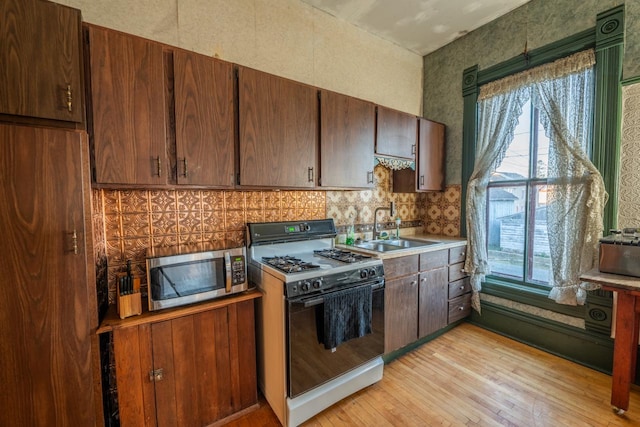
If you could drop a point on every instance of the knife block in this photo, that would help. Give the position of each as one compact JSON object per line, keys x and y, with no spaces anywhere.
{"x":129,"y":304}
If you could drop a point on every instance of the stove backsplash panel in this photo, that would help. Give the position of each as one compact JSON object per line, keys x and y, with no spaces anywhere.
{"x":134,"y":220}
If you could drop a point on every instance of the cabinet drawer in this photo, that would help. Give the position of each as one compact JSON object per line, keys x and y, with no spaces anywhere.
{"x":431,"y":260}
{"x":457,"y":255}
{"x":459,"y":307}
{"x":459,"y":287}
{"x":456,"y":272}
{"x":398,"y":267}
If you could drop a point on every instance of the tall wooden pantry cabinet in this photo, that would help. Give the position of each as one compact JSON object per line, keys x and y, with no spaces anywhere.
{"x":45,"y":301}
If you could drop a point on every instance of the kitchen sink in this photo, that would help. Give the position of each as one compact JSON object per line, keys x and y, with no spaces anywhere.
{"x":394,"y":244}
{"x":407,"y":243}
{"x":378,"y":246}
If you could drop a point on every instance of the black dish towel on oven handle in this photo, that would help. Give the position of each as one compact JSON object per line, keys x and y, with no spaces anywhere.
{"x":347,"y":315}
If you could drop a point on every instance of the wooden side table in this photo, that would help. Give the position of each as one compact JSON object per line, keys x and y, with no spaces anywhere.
{"x":625,"y":345}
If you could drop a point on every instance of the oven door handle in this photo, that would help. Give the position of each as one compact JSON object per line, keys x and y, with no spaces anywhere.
{"x":311,"y":302}
{"x":227,"y":269}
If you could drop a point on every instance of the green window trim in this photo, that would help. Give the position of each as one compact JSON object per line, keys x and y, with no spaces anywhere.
{"x":607,"y":38}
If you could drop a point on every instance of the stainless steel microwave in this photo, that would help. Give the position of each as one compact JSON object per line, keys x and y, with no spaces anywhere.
{"x":191,"y":273}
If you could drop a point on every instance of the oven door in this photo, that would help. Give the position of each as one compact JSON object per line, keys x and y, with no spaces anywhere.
{"x":309,"y":363}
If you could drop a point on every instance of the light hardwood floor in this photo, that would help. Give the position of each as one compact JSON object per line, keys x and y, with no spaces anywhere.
{"x":473,"y":377}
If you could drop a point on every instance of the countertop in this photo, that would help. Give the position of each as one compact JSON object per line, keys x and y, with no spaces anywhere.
{"x":612,"y":280}
{"x":112,"y":320}
{"x":447,"y":243}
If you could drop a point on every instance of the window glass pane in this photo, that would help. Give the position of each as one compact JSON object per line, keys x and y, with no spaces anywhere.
{"x":506,"y":233}
{"x":515,"y":164}
{"x":542,"y":159}
{"x":539,"y":262}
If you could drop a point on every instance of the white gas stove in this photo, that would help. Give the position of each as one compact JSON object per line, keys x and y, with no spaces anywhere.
{"x":302,"y":277}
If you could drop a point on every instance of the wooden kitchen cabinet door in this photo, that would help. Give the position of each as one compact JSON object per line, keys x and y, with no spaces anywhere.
{"x":45,"y":300}
{"x":397,"y":133}
{"x":190,"y":371}
{"x":41,"y":60}
{"x":429,"y":174}
{"x":433,"y":301}
{"x":278,"y":131}
{"x":401,"y":312}
{"x":430,"y":159}
{"x":347,"y":141}
{"x":205,"y":130}
{"x":127,"y":97}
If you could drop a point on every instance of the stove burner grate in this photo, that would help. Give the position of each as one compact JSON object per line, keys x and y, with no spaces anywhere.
{"x":341,"y":255}
{"x":289,"y":264}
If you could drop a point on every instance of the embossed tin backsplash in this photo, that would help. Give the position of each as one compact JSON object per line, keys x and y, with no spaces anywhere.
{"x":137,"y":219}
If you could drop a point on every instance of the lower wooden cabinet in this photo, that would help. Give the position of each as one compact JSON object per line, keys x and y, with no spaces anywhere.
{"x":459,"y":300}
{"x":423,"y":294}
{"x":401,"y":312}
{"x":432,"y":307}
{"x":459,"y":292}
{"x":191,"y":370}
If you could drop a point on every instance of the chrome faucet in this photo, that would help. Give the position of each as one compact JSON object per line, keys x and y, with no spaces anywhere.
{"x":391,"y":210}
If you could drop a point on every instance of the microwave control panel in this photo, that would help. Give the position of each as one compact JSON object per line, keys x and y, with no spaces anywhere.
{"x":238,"y":269}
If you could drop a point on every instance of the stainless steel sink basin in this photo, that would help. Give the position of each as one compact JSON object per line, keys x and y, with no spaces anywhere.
{"x":378,"y":246}
{"x":407,"y":243}
{"x":394,"y":245}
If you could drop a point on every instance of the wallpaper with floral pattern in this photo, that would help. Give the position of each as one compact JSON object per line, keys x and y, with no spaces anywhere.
{"x":629,"y":195}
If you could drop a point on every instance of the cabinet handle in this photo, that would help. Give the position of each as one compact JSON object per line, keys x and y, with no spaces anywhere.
{"x":461,"y":308}
{"x":421,"y":179}
{"x":310,"y":174}
{"x":156,"y":375}
{"x":413,"y":283}
{"x":69,"y":99}
{"x":424,"y":279}
{"x":74,"y":241}
{"x":462,"y":287}
{"x":184,"y":165}
{"x":370,"y":177}
{"x":413,"y":149}
{"x":159,"y":165}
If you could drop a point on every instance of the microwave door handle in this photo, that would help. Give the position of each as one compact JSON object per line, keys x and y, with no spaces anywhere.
{"x":227,"y":269}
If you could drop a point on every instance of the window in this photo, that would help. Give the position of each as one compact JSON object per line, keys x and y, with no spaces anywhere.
{"x":517,"y":240}
{"x":516,"y":268}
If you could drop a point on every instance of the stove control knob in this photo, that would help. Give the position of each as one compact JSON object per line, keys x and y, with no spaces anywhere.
{"x":363,"y":274}
{"x":305,"y":286}
{"x":317,"y":283}
{"x":372,"y":272}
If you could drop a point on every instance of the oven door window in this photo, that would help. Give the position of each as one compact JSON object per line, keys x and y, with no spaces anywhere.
{"x":179,"y":280}
{"x":310,"y":364}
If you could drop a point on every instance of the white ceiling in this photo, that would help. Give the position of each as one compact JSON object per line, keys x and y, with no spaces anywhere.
{"x":420,"y":26}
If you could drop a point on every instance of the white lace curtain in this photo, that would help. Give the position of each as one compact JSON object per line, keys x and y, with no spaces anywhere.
{"x":563,"y":93}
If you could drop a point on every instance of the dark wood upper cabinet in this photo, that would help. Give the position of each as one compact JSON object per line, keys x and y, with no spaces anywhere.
{"x":278,"y":131}
{"x":430,"y":161}
{"x":347,"y":139}
{"x":41,"y":60}
{"x":127,"y":96}
{"x":396,"y":133}
{"x":47,"y":306}
{"x":204,"y":110}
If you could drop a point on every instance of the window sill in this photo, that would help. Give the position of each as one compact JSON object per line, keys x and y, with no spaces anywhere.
{"x":529,"y":296}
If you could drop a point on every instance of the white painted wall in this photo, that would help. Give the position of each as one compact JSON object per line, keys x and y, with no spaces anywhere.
{"x":288,"y":38}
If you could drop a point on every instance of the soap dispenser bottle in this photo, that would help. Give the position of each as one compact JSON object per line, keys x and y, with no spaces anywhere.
{"x":351,"y":233}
